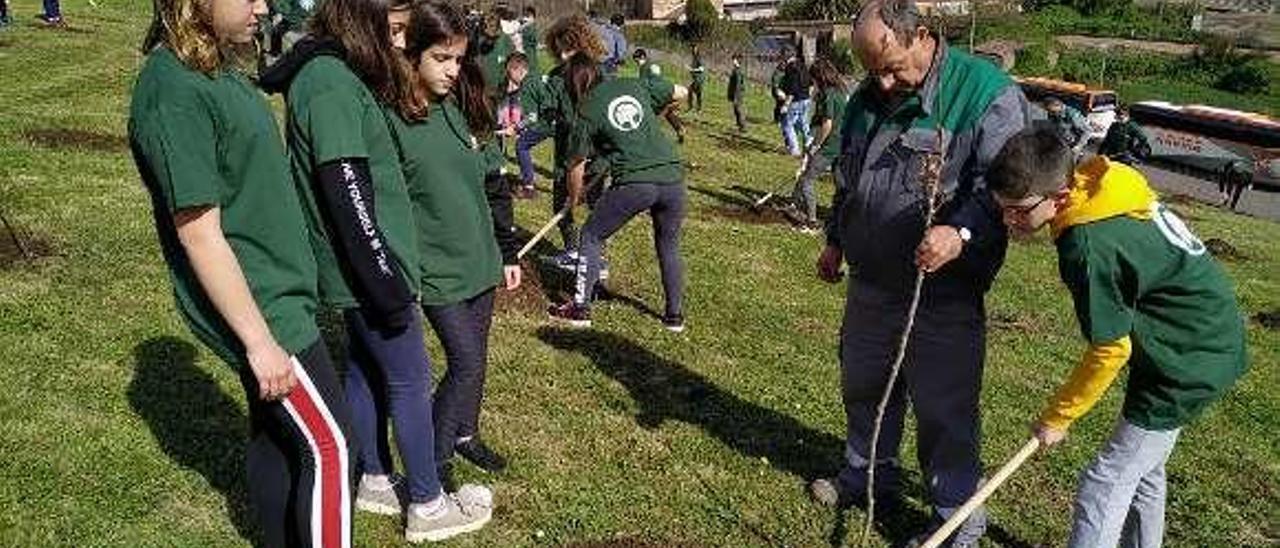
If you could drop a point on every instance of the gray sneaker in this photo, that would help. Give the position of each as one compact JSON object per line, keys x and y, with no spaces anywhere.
{"x":386,"y":502}
{"x":967,"y":536}
{"x":465,"y":511}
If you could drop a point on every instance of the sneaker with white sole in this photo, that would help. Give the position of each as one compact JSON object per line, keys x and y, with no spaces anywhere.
{"x":465,"y":511}
{"x":574,"y":315}
{"x":380,"y":500}
{"x":673,"y":323}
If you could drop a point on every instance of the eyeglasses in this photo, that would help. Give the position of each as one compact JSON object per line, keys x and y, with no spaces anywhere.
{"x":1023,"y":210}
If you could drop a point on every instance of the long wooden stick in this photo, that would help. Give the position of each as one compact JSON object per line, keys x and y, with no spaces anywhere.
{"x":983,"y":494}
{"x":599,"y":177}
{"x":543,"y":233}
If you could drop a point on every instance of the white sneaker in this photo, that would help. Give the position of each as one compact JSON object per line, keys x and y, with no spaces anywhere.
{"x":378,"y":500}
{"x":465,"y":511}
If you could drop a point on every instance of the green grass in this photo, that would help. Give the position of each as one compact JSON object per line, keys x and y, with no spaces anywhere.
{"x":117,"y":429}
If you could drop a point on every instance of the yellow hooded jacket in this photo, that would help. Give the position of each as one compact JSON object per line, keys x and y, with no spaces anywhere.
{"x":1100,"y":190}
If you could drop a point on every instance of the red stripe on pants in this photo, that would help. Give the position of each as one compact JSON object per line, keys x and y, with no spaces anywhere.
{"x":328,"y":463}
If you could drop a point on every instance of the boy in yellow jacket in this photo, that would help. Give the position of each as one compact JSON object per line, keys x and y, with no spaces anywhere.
{"x":1146,"y":294}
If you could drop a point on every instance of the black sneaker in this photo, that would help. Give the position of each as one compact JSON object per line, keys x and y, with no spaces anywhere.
{"x":574,"y":315}
{"x":481,"y":455}
{"x":444,"y":472}
{"x":673,"y":323}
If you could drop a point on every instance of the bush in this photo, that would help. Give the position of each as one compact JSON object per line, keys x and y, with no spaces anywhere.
{"x":801,"y":10}
{"x":1250,"y":79}
{"x":700,"y":20}
{"x":842,"y":57}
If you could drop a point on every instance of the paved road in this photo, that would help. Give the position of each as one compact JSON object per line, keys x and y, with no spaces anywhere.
{"x":1263,"y":204}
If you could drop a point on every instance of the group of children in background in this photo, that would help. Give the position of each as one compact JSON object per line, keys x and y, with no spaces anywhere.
{"x":387,"y":201}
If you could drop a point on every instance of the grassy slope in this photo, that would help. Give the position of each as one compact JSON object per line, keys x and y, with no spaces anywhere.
{"x":117,"y":430}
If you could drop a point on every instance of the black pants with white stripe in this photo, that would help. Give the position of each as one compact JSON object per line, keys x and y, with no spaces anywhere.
{"x":300,"y":457}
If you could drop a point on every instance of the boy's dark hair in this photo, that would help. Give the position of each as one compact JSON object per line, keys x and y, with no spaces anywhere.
{"x":517,"y":58}
{"x":1034,"y":161}
{"x":640,"y":53}
{"x":531,"y":11}
{"x":618,"y":20}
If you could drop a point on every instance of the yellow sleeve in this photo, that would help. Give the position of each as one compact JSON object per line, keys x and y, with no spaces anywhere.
{"x":1097,"y":370}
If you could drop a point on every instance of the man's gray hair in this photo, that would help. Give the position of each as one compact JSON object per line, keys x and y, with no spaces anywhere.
{"x":901,"y":16}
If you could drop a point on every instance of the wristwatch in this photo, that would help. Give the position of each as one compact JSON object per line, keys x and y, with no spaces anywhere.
{"x":965,"y":234}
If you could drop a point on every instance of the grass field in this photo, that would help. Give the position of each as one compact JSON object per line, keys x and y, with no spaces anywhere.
{"x":117,"y":429}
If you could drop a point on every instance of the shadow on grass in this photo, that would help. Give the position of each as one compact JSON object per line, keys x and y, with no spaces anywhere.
{"x":197,"y":425}
{"x":667,"y":390}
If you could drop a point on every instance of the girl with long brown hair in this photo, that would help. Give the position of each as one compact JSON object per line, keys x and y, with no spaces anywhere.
{"x":466,"y":250}
{"x":347,"y":168}
{"x":234,"y":238}
{"x":833,"y":95}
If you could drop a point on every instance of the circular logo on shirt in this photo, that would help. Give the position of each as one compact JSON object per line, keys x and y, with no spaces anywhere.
{"x":626,"y":114}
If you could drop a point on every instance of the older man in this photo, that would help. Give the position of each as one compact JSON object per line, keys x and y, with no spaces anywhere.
{"x":920,"y":98}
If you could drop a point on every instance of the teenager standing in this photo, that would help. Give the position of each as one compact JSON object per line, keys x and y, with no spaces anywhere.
{"x":347,"y":169}
{"x":617,"y":122}
{"x":461,"y":260}
{"x":233,"y":235}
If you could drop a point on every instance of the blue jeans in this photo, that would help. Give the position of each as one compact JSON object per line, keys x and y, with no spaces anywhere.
{"x":390,"y":374}
{"x":528,"y":139}
{"x":1121,"y":496}
{"x":795,"y":126}
{"x":463,"y":328}
{"x":666,"y":206}
{"x":52,"y":10}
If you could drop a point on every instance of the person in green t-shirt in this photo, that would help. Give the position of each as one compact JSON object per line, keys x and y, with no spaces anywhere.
{"x":833,"y":96}
{"x":234,"y":238}
{"x":529,"y":40}
{"x":697,"y":79}
{"x":649,"y":70}
{"x":738,"y":92}
{"x":1148,"y":294}
{"x":347,"y":171}
{"x":566,"y":38}
{"x":466,"y":243}
{"x":617,"y":122}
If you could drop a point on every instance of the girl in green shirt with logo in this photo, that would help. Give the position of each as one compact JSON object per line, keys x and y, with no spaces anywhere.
{"x":616,"y":122}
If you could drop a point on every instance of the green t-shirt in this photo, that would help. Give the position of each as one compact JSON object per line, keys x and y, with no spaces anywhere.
{"x":529,"y":39}
{"x":332,"y":115}
{"x":698,"y":71}
{"x":494,"y":63}
{"x":1154,"y":281}
{"x":445,"y":170}
{"x":831,"y":107}
{"x":202,"y":141}
{"x":619,"y":120}
{"x":559,"y":110}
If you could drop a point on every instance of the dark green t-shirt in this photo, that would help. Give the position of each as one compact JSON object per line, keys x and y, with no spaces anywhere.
{"x":558,"y":111}
{"x":831,"y":107}
{"x":331,"y":116}
{"x":201,"y":141}
{"x":445,"y":170}
{"x":1154,"y":281}
{"x":494,"y":63}
{"x":619,"y":120}
{"x":529,"y":39}
{"x":698,"y":71}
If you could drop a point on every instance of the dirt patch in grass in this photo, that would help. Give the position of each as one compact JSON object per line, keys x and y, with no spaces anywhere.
{"x":630,"y":542}
{"x":761,"y":216}
{"x":22,"y":248}
{"x":529,"y":298}
{"x":1179,"y":199}
{"x":1223,"y":250}
{"x":1010,"y":322}
{"x":1269,"y":319}
{"x":76,"y":139}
